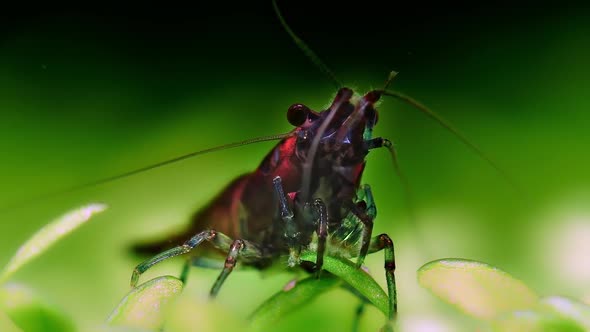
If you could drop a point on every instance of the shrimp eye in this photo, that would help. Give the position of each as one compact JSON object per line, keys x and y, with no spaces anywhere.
{"x":297,"y":114}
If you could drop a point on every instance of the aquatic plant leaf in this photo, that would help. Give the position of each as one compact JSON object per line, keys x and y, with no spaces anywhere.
{"x":567,"y":308}
{"x":343,"y":271}
{"x":6,"y":324}
{"x":356,"y":277}
{"x":145,"y":306}
{"x":477,"y":289}
{"x":534,"y":321}
{"x":48,"y":235}
{"x":30,"y":312}
{"x":289,"y":300}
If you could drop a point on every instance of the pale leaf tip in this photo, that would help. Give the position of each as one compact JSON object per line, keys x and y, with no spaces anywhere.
{"x":476,"y":288}
{"x":49,"y":234}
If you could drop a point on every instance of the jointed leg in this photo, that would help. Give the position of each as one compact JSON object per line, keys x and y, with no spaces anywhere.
{"x":230,"y":263}
{"x":366,"y":216}
{"x":380,"y":142}
{"x":322,"y":232}
{"x":384,"y":242}
{"x":378,"y":243}
{"x":291,"y":231}
{"x":370,"y":208}
{"x":185,"y":270}
{"x":189,"y":245}
{"x":237,"y":248}
{"x":366,"y":237}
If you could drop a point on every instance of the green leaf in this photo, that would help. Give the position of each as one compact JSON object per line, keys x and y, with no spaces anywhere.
{"x":358,"y":278}
{"x":476,"y":288}
{"x":145,"y":306}
{"x":190,"y":313}
{"x":48,"y":235}
{"x":535,"y":321}
{"x":553,"y":313}
{"x":6,"y":324}
{"x":567,"y":308}
{"x":291,"y":299}
{"x":30,"y":312}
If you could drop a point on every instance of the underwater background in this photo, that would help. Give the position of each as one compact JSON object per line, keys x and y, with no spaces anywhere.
{"x":90,"y":93}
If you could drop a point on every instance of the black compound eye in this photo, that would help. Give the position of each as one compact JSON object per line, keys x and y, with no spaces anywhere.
{"x":297,"y":114}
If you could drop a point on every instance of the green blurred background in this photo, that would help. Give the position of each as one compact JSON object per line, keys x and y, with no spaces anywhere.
{"x":86,"y":94}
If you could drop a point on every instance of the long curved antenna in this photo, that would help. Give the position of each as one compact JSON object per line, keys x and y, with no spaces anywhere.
{"x":447,"y":125}
{"x":183,"y":157}
{"x":306,"y":50}
{"x":153,"y":166}
{"x":403,"y":179}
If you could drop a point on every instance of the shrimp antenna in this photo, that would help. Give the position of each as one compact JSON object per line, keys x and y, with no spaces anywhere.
{"x":403,"y":179}
{"x":306,"y":50}
{"x":153,"y":166}
{"x":447,"y":125}
{"x":311,"y":55}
